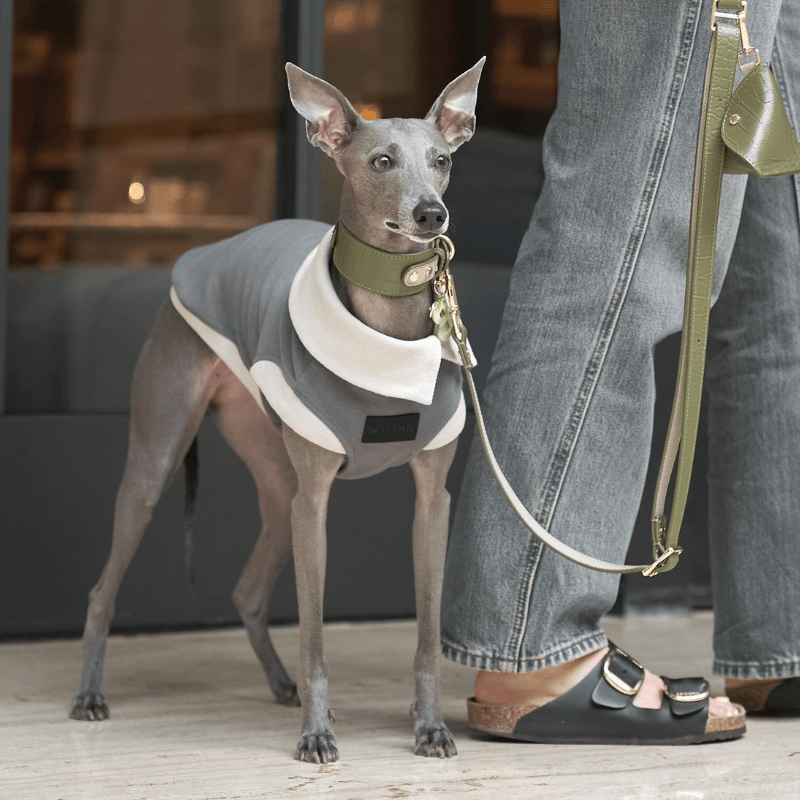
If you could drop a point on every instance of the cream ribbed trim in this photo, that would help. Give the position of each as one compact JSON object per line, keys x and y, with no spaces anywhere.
{"x":452,"y":429}
{"x":290,"y":409}
{"x":266,"y":377}
{"x":221,"y":345}
{"x":354,"y":351}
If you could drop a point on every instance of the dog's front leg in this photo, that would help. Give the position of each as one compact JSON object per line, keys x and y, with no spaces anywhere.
{"x":431,"y":519}
{"x":316,"y":468}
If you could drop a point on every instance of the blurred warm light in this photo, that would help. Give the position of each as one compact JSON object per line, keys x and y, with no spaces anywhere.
{"x":527,"y":8}
{"x":370,"y":14}
{"x":348,"y":15}
{"x":342,"y":17}
{"x":136,"y":193}
{"x":368,"y":111}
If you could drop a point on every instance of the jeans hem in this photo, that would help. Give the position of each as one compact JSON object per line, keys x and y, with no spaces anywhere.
{"x":500,"y":662}
{"x":749,"y":670}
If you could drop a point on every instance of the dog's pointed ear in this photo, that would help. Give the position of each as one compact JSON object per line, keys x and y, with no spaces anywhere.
{"x":454,"y":111}
{"x":330,"y":119}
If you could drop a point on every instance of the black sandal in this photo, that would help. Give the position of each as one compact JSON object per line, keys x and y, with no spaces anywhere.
{"x":780,"y":697}
{"x":600,"y":710}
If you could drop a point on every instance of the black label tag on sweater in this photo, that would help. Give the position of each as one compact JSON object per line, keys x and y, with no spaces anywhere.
{"x":400,"y":428}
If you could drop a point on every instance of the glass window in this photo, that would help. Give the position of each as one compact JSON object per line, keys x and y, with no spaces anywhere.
{"x":140,"y":129}
{"x":392,"y":58}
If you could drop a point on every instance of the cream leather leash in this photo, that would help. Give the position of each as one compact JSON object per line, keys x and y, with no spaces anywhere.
{"x":447,"y":317}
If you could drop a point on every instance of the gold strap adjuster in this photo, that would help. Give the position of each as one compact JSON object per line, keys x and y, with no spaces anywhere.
{"x":615,"y":680}
{"x":667,"y":552}
{"x":684,"y":697}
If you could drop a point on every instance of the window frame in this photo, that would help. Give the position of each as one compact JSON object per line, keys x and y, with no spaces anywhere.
{"x":6,"y":50}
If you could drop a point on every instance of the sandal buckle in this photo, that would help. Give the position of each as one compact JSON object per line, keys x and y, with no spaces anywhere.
{"x":684,"y":697}
{"x":615,"y":680}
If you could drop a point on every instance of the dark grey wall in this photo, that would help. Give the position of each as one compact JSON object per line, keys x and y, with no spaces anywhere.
{"x":58,"y":481}
{"x":59,"y":476}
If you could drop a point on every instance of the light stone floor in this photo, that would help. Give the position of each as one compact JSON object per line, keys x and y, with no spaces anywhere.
{"x":192,"y":719}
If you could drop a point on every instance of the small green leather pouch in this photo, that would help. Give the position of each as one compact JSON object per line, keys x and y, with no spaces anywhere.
{"x":756,"y":129}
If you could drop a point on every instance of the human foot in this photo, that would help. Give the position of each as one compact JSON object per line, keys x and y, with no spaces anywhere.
{"x":600,"y":697}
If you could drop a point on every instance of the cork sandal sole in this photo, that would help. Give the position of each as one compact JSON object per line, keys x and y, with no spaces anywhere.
{"x":500,"y":720}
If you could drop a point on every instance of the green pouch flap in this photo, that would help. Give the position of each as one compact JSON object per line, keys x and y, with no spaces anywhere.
{"x":757,"y":130}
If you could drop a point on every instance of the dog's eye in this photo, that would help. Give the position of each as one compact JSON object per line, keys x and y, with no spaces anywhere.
{"x":382,"y":163}
{"x":443,"y":163}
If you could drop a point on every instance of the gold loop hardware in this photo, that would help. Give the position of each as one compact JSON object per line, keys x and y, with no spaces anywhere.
{"x":451,"y":248}
{"x":747,"y":53}
{"x":649,"y":572}
{"x":741,"y":21}
{"x":739,"y":16}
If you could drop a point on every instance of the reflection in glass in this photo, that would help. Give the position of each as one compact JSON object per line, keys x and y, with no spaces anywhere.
{"x":140,"y":129}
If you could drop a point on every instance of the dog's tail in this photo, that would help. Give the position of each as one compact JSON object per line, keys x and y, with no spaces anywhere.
{"x":191,"y":472}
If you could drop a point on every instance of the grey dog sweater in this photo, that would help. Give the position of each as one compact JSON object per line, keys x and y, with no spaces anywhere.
{"x":264,"y":302}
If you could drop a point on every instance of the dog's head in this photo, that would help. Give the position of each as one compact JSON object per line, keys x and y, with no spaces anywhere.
{"x":395,"y":170}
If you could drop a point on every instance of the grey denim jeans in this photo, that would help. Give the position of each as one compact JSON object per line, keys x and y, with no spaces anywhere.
{"x":599,"y":280}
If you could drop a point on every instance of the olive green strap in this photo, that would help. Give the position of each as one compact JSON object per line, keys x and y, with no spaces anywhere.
{"x":381,"y":272}
{"x":709,"y":163}
{"x":748,"y":132}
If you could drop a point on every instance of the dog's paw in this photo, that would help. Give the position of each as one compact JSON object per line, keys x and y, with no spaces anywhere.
{"x":318,"y":748}
{"x":286,"y":694}
{"x":90,"y":706}
{"x":435,"y":741}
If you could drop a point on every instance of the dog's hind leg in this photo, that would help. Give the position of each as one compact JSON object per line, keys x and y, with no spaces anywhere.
{"x":431,"y":518}
{"x":260,"y":445}
{"x":316,"y":469}
{"x":169,"y":397}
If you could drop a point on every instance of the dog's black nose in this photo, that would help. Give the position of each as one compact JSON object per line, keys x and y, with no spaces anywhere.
{"x":430,"y":216}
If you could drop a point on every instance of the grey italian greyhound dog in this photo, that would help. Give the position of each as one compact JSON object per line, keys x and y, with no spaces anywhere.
{"x":395,"y":172}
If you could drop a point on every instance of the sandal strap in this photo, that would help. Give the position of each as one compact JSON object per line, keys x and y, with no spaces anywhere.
{"x":686,"y":695}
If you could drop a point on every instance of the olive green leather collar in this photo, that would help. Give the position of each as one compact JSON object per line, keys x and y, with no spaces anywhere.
{"x":381,"y":272}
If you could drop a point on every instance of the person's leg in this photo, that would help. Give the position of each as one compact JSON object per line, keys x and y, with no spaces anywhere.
{"x":598,"y":282}
{"x":753,"y":381}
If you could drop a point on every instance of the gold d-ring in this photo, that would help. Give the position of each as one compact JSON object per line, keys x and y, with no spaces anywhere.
{"x":451,"y":248}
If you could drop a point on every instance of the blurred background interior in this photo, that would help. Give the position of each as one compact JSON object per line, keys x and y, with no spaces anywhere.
{"x":141,"y":129}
